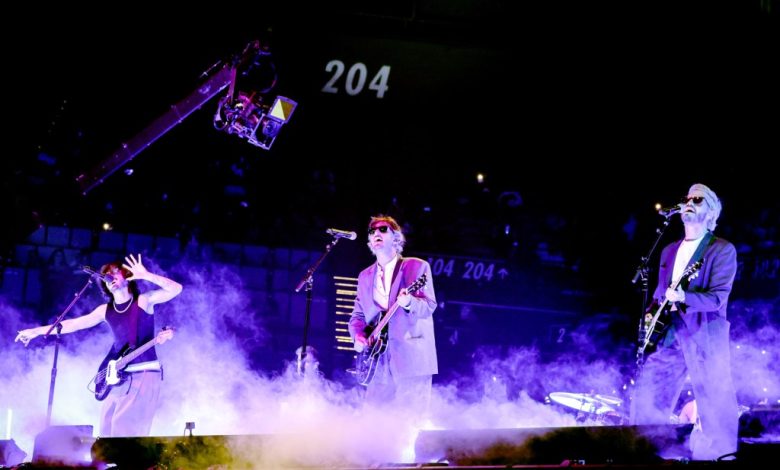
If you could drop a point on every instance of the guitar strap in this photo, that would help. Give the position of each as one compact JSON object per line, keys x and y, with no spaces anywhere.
{"x":668,"y":336}
{"x":708,"y":239}
{"x":395,"y":287}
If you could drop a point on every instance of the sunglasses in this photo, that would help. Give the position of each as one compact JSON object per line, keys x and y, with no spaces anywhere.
{"x":383,"y":229}
{"x":696,"y":200}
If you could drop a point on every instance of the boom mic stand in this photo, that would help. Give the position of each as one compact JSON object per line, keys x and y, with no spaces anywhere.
{"x":308,"y":281}
{"x":642,"y":273}
{"x":58,"y":325}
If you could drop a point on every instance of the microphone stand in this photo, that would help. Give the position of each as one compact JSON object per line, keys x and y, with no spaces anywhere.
{"x":308,"y":281}
{"x":58,"y":325}
{"x":642,"y":271}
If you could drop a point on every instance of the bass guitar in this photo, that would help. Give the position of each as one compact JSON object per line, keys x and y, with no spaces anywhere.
{"x":653,"y":326}
{"x":110,"y":371}
{"x":365,"y":364}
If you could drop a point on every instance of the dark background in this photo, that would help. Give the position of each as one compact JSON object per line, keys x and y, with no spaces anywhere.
{"x":580,"y":117}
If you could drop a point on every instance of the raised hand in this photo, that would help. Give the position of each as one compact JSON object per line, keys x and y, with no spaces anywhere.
{"x":136,"y":267}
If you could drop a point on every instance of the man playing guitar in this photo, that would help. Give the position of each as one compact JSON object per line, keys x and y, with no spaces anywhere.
{"x":404,"y":371}
{"x":697,"y":340}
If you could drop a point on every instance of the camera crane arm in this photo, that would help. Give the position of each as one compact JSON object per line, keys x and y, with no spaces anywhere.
{"x":224,"y":76}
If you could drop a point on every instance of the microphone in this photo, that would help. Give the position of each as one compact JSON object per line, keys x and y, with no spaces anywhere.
{"x":102,"y":277}
{"x":341,"y":233}
{"x":670,"y":211}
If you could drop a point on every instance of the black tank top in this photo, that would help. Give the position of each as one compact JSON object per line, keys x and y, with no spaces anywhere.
{"x":132,"y":328}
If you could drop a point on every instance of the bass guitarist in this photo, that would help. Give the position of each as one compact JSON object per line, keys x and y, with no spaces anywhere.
{"x":404,"y":371}
{"x":130,"y":405}
{"x":696,"y":342}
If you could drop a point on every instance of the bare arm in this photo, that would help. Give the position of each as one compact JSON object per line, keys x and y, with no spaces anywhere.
{"x":168,"y":287}
{"x":68,"y":326}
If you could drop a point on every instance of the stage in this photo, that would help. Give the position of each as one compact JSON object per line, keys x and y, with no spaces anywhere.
{"x":580,"y":446}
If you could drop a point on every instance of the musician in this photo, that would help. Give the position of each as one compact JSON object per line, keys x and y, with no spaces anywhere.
{"x":404,"y":372}
{"x":697,"y":340}
{"x":129,"y":407}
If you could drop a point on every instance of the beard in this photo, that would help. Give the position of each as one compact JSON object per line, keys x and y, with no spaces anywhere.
{"x":695,"y":217}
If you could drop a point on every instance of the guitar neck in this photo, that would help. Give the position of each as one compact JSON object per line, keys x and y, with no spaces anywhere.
{"x":660,"y":309}
{"x":384,"y":321}
{"x":649,"y":328}
{"x":120,"y":364}
{"x":649,"y":332}
{"x":674,"y":286}
{"x":414,"y":287}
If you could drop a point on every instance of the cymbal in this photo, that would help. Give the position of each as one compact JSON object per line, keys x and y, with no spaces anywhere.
{"x":609,"y":399}
{"x":596,"y":404}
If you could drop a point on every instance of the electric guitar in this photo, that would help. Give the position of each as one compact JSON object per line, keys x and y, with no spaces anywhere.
{"x":110,"y":370}
{"x":653,"y":327}
{"x":365,"y":364}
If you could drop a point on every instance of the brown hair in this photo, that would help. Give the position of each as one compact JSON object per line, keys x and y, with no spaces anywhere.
{"x":117,"y":265}
{"x":399,"y":240}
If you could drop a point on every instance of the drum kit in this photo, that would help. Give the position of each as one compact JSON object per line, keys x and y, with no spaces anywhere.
{"x":600,"y":409}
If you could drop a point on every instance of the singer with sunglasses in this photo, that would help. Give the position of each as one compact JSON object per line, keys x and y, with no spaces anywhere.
{"x":129,"y":405}
{"x":404,"y":371}
{"x":696,"y":342}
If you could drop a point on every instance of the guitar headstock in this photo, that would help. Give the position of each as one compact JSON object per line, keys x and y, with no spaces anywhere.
{"x":418,"y":284}
{"x":692,"y":271}
{"x":164,"y":335}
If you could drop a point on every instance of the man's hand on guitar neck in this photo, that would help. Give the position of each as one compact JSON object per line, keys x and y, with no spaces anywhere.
{"x":404,"y":299}
{"x":360,"y":343}
{"x":675,"y":295}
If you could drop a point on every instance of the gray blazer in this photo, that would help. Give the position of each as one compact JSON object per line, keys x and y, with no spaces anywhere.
{"x":411,"y":346}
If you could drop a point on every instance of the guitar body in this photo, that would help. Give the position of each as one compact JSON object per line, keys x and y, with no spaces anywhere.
{"x":108,"y":375}
{"x":367,"y":360}
{"x":654,"y":327}
{"x":110,"y":371}
{"x":654,"y":335}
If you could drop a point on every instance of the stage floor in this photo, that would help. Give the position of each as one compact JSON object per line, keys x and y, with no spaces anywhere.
{"x":529,"y":448}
